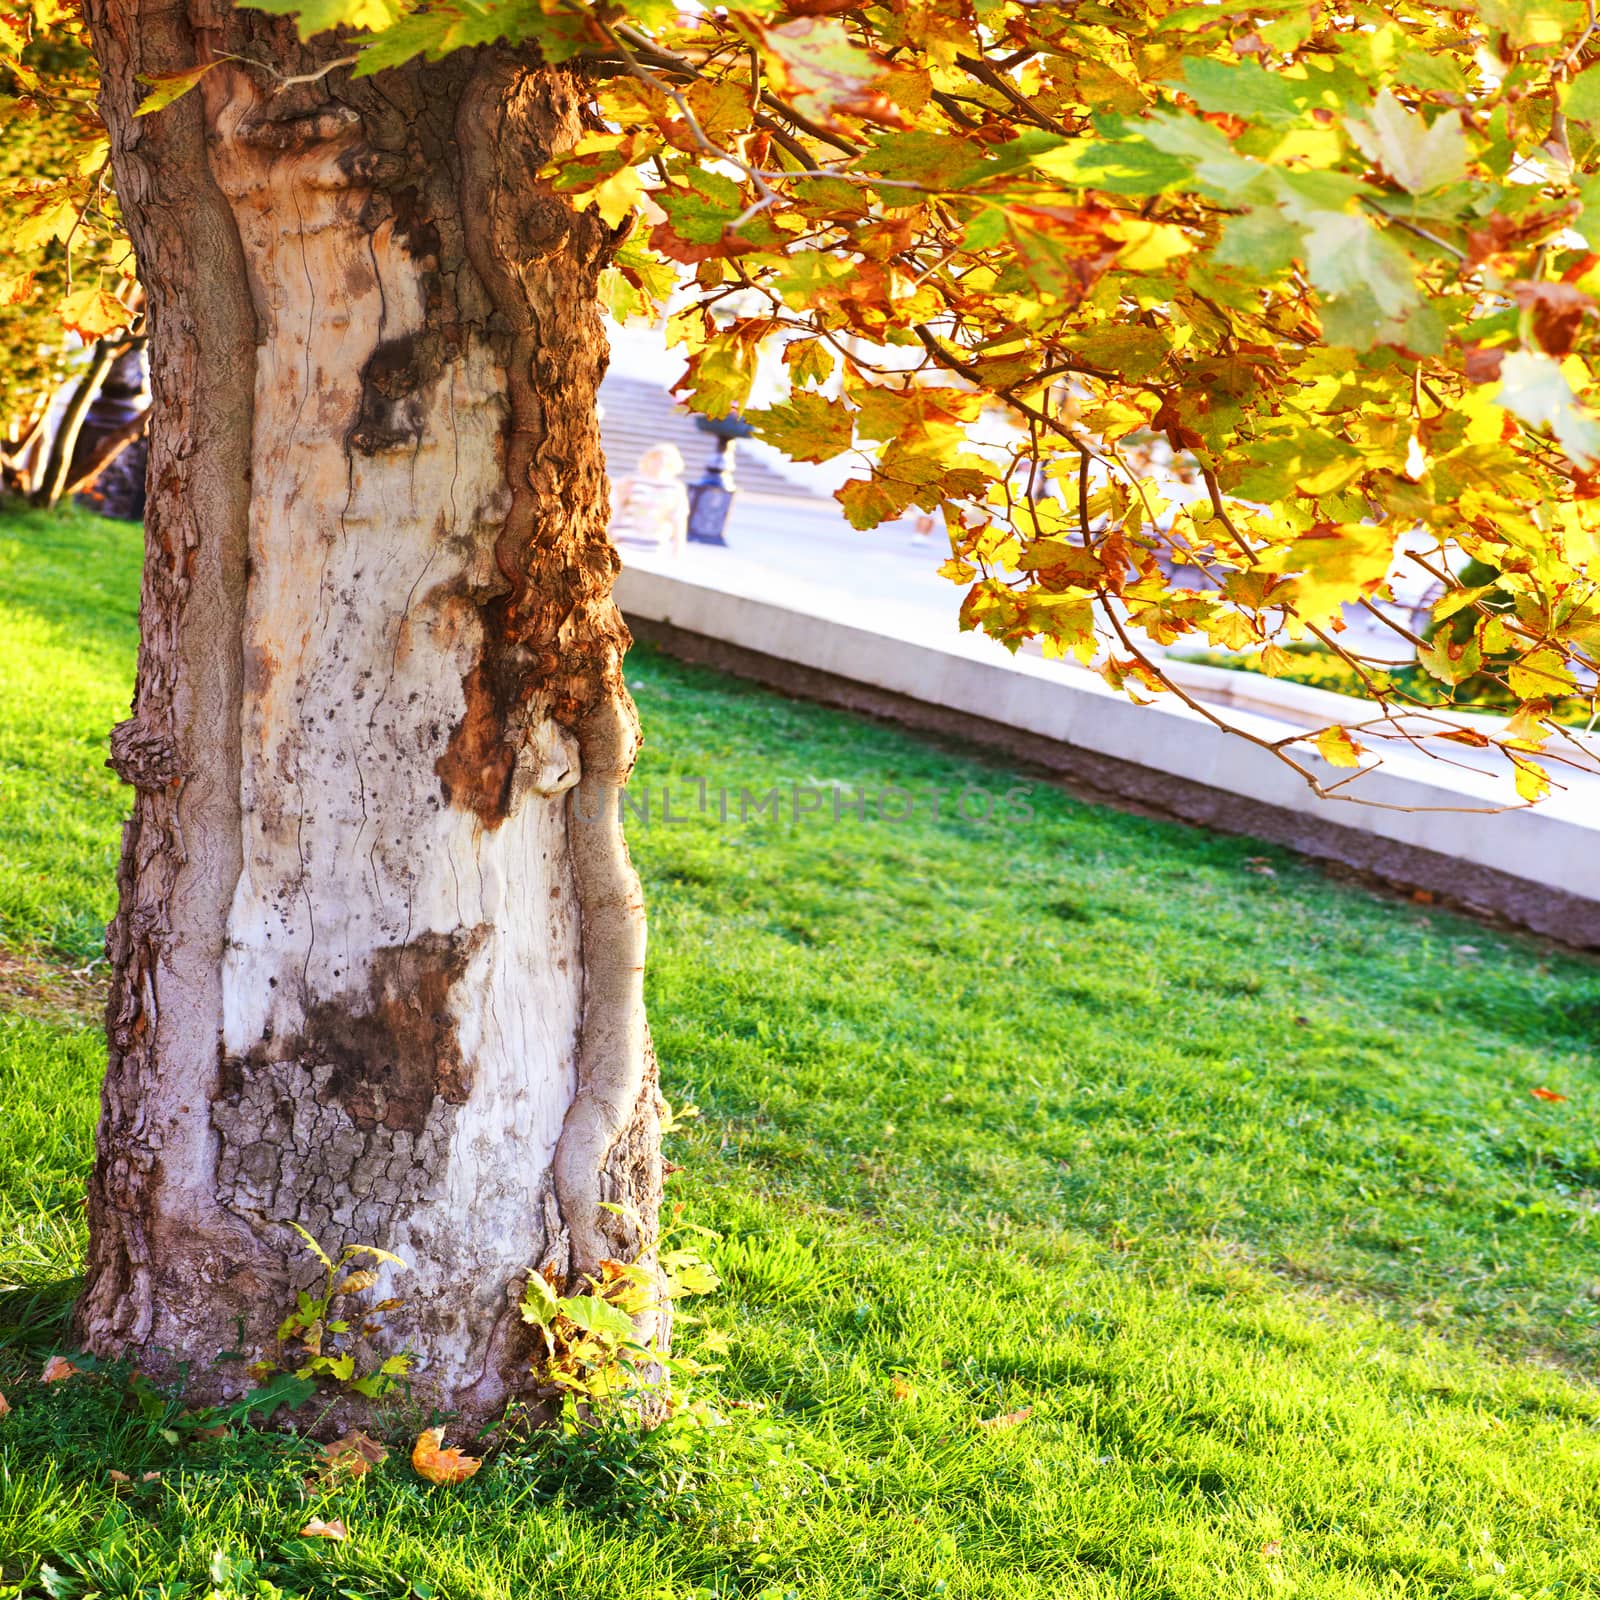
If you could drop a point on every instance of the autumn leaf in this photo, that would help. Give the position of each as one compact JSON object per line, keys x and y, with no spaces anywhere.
{"x":1551,"y":1095}
{"x":5,"y":1407}
{"x":431,"y":1460}
{"x":1010,"y":1419}
{"x":1418,"y":155}
{"x":1532,"y":781}
{"x":1540,"y":674}
{"x":322,"y":16}
{"x":89,"y":313}
{"x":352,"y":1456}
{"x":807,"y":427}
{"x":57,"y":1370}
{"x":1336,"y":746}
{"x":333,"y":1529}
{"x":165,"y":87}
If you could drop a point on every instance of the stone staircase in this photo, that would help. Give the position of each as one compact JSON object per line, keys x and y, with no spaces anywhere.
{"x":636,"y":415}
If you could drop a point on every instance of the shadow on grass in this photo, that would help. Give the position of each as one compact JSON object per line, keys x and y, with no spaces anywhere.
{"x":36,"y":1315}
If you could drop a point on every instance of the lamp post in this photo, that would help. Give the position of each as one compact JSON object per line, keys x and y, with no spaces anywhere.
{"x":711,"y":494}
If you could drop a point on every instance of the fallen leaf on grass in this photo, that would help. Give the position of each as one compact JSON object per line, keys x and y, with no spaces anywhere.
{"x":353,"y":1456}
{"x":903,"y":1390}
{"x":56,"y":1369}
{"x":316,"y":1528}
{"x":1010,"y":1420}
{"x":123,"y":1477}
{"x":1542,"y":1093}
{"x":437,"y":1464}
{"x":5,"y":1406}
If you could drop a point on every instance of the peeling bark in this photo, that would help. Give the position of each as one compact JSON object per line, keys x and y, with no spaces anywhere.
{"x":379,"y":951}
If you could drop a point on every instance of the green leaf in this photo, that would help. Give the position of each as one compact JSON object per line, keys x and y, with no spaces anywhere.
{"x":282,"y":1389}
{"x":1244,"y":89}
{"x":598,"y":1317}
{"x":1580,"y":99}
{"x":1368,"y":279}
{"x":312,"y":17}
{"x":1127,"y":166}
{"x":1419,"y":157}
{"x":540,"y":1304}
{"x":807,"y":427}
{"x":1261,"y":241}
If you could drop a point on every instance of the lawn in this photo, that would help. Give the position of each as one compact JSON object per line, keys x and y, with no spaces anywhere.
{"x":1107,"y":1208}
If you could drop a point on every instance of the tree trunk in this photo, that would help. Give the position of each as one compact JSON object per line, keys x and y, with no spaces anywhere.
{"x":379,"y":950}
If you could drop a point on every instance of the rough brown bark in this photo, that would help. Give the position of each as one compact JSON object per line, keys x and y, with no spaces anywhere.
{"x":375,"y":974}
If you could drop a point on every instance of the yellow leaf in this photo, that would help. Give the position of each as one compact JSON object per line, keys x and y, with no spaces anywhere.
{"x":54,"y":220}
{"x":89,"y":313}
{"x":1540,"y":674}
{"x":614,"y":197}
{"x":1533,"y":782}
{"x":1148,"y":246}
{"x":431,"y":1460}
{"x":165,"y":87}
{"x":1336,"y":746}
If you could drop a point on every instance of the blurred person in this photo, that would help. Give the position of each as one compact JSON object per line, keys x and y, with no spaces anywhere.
{"x":650,"y":507}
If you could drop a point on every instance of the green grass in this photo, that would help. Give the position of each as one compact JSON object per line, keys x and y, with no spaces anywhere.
{"x":1232,"y":1179}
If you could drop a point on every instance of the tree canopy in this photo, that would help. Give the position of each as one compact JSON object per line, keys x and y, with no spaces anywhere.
{"x":1188,"y":319}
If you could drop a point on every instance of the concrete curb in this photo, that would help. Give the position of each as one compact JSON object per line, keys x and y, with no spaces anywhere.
{"x":1537,"y":869}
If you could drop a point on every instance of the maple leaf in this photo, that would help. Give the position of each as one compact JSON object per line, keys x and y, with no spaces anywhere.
{"x":1338,"y":563}
{"x":352,"y":1456}
{"x":1541,"y":1093}
{"x":89,"y":313}
{"x":1558,"y":312}
{"x":5,"y":1407}
{"x":333,"y":1529}
{"x":807,"y":427}
{"x":816,"y":64}
{"x":1417,"y":155}
{"x":323,"y":16}
{"x":57,"y":1370}
{"x":430,"y":1459}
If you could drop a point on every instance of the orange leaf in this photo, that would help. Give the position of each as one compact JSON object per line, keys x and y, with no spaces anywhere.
{"x":1547,"y":1094}
{"x":5,"y":1406}
{"x":437,"y":1464}
{"x":316,"y":1528}
{"x":1009,"y":1420}
{"x":353,"y":1456}
{"x":56,"y":1370}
